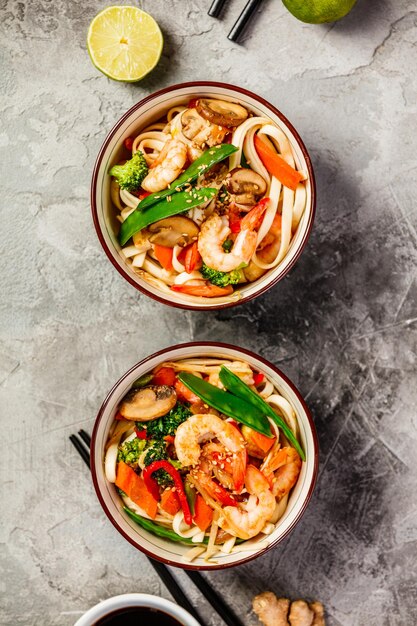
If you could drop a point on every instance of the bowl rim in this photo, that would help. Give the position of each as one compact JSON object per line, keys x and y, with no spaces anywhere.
{"x":203,"y":344}
{"x":94,"y":208}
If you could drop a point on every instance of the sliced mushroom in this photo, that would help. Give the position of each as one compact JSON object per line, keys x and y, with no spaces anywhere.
{"x":246,"y":185}
{"x":221,"y":112}
{"x":192,"y":123}
{"x":148,"y":403}
{"x":173,"y":231}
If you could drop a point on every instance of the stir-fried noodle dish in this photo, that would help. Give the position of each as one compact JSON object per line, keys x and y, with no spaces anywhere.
{"x":205,"y":452}
{"x":209,"y":199}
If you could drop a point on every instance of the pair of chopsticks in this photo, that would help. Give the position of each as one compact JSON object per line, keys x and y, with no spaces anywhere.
{"x":82,"y":444}
{"x":241,"y":22}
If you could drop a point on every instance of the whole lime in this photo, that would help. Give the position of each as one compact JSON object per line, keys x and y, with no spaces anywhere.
{"x":319,"y":11}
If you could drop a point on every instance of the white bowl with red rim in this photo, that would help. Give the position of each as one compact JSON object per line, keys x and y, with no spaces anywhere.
{"x":151,"y":109}
{"x":170,"y":552}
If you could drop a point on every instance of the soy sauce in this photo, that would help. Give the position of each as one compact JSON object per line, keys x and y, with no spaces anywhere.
{"x":137,"y":616}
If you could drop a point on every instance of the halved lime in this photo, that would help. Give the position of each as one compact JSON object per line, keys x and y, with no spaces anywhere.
{"x":124,"y":43}
{"x":319,"y":11}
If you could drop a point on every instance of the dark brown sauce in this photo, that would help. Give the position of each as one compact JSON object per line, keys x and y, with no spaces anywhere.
{"x":137,"y":616}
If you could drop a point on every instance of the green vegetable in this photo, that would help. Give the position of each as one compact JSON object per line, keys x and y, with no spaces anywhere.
{"x":142,"y":381}
{"x":243,"y":160}
{"x":158,"y":530}
{"x":130,"y":451}
{"x":227,"y":245}
{"x":209,"y":158}
{"x":236,"y":386}
{"x":227,"y":403}
{"x":131,"y":174}
{"x":157,"y":451}
{"x":168,"y":424}
{"x":179,"y":203}
{"x":191,"y":495}
{"x":221,"y":279}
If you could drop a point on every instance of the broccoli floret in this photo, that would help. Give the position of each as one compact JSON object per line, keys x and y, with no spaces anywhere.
{"x":157,"y":451}
{"x":130,"y":174}
{"x":168,"y":424}
{"x":221,"y":279}
{"x":130,"y":451}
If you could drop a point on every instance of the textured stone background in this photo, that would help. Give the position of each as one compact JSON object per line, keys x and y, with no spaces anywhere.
{"x":342,"y":325}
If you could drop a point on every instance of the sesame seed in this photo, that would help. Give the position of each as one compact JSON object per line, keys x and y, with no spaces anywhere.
{"x":188,"y":201}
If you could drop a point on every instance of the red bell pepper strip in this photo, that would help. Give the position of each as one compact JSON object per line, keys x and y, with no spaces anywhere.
{"x":234,"y":219}
{"x":222,"y":495}
{"x":193,"y":260}
{"x":152,"y":485}
{"x":164,"y":376}
{"x":141,"y":434}
{"x":258,"y":379}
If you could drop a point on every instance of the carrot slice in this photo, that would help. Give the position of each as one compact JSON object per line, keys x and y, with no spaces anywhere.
{"x":277,"y":166}
{"x":206,"y":290}
{"x":134,"y":487}
{"x":170,"y":502}
{"x":203,"y":515}
{"x":124,"y":477}
{"x":164,"y":256}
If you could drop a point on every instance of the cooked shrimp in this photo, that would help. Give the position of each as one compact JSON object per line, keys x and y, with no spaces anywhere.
{"x":248,"y":523}
{"x":216,"y":230}
{"x":285,"y":464}
{"x":167,"y":167}
{"x":201,"y":427}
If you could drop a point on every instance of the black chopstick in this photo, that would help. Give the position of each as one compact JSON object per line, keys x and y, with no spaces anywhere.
{"x":225,"y":612}
{"x":167,"y":578}
{"x":84,"y":454}
{"x":174,"y":588}
{"x":216,"y":8}
{"x":85,"y":437}
{"x":243,"y":19}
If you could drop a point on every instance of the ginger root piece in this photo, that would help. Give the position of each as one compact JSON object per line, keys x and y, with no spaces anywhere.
{"x":300,"y":614}
{"x":271,"y":610}
{"x":318,"y":611}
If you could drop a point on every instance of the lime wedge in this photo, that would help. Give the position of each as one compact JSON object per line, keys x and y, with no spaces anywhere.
{"x":124,"y":43}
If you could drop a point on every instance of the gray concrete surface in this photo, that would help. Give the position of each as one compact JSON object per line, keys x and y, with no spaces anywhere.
{"x":342,"y":325}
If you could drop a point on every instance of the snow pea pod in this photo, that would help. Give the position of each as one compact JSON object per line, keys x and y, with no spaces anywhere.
{"x":227,"y":403}
{"x":158,"y":530}
{"x":209,"y":158}
{"x":237,"y":387}
{"x":176,"y":203}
